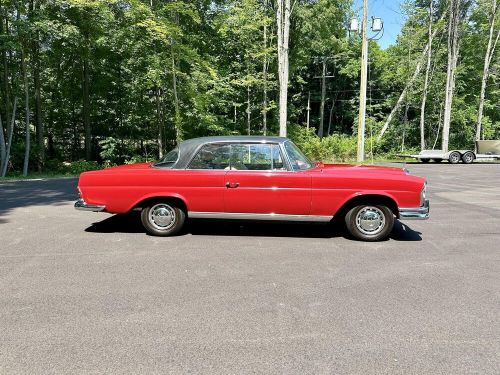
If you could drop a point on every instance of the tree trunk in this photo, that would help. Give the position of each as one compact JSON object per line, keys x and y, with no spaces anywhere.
{"x":159,"y":122}
{"x":323,"y":99}
{"x":5,"y":64}
{"x":426,"y":81}
{"x":439,"y":126}
{"x":2,"y":145}
{"x":24,"y":71}
{"x":453,"y":48}
{"x":38,"y":100}
{"x":396,"y":107}
{"x":308,"y":109}
{"x":27,"y":115}
{"x":249,"y":112}
{"x":283,"y":21}
{"x":490,"y":49}
{"x":178,"y":122}
{"x":86,"y":107}
{"x":264,"y":76}
{"x":10,"y":132}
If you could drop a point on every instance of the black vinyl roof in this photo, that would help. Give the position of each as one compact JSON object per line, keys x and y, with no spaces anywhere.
{"x":189,"y":147}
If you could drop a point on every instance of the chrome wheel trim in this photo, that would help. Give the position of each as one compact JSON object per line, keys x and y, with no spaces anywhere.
{"x":370,"y":220}
{"x":162,"y":216}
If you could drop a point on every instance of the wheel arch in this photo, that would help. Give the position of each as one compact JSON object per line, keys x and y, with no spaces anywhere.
{"x":369,"y":198}
{"x":176,"y":199}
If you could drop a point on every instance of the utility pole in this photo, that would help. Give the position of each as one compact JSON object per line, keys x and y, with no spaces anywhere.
{"x":363,"y":84}
{"x":377,"y":27}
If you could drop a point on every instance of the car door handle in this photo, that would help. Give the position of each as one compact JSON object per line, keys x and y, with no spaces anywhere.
{"x":232,"y":185}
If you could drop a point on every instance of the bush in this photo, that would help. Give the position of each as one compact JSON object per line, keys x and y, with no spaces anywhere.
{"x":73,"y":168}
{"x":81,"y":166}
{"x":138,"y":159}
{"x":334,"y":148}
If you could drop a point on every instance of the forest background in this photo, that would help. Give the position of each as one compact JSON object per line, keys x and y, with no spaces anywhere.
{"x":92,"y":83}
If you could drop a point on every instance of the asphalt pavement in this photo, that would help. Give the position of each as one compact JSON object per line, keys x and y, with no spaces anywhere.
{"x":92,"y":293}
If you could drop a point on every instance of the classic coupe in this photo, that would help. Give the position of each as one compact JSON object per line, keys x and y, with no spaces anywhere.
{"x":255,"y":178}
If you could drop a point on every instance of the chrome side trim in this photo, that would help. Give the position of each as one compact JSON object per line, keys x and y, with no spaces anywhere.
{"x":417,"y":213}
{"x":81,"y":205}
{"x":252,"y":216}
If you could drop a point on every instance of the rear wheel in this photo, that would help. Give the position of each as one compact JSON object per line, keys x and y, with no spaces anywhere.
{"x":162,"y":219}
{"x":370,"y":222}
{"x":454,"y":157}
{"x":425,"y":160}
{"x":468,"y":158}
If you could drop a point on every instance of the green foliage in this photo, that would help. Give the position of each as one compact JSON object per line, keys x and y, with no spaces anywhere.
{"x":334,"y":148}
{"x":70,"y":168}
{"x":165,"y":70}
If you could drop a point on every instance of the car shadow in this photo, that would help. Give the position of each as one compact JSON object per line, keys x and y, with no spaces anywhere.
{"x":131,"y":223}
{"x":402,"y":232}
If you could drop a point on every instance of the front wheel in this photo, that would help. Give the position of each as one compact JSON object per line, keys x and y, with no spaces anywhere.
{"x":370,"y":222}
{"x":162,"y":219}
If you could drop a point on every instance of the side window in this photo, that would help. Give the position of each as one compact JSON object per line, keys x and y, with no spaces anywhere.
{"x":257,"y":157}
{"x":212,"y":156}
{"x":298,"y":160}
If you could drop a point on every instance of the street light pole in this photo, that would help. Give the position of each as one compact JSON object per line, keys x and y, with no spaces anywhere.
{"x":363,"y":84}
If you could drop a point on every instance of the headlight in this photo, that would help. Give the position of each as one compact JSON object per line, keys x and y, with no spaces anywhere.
{"x":423,"y":194}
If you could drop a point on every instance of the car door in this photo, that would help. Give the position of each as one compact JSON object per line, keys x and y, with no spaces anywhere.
{"x":203,"y":182}
{"x":259,"y":182}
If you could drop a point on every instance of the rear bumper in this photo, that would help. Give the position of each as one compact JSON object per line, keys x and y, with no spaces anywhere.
{"x":417,"y":213}
{"x":81,"y":205}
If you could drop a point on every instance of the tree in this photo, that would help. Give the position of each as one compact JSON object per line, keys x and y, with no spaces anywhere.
{"x":488,"y":56}
{"x":283,"y":22}
{"x":426,"y":80}
{"x":457,"y":10}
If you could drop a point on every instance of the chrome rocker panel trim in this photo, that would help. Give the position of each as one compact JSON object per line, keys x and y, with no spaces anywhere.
{"x":252,"y":216}
{"x":81,"y":205}
{"x":417,"y":213}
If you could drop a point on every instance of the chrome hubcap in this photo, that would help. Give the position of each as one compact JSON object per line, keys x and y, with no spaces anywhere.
{"x":370,"y":220}
{"x":162,"y":216}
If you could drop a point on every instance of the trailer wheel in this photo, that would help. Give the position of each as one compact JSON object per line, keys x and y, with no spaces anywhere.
{"x":454,"y":157}
{"x":468,"y":158}
{"x":425,"y":160}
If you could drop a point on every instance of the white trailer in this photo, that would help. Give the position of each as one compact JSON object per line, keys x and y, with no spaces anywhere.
{"x":487,"y":150}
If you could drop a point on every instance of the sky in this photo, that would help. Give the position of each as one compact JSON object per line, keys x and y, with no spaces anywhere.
{"x":389,"y":11}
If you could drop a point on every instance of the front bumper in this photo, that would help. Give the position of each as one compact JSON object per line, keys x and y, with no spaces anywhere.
{"x":417,"y":213}
{"x":81,"y":205}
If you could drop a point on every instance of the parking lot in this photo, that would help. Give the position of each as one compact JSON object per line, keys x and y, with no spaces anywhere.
{"x":90,"y":292}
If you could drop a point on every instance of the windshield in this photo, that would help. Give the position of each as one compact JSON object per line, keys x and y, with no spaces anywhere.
{"x":169,"y":159}
{"x":298,"y":160}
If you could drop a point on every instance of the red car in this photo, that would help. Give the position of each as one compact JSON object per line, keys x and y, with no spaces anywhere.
{"x":254,"y":178}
